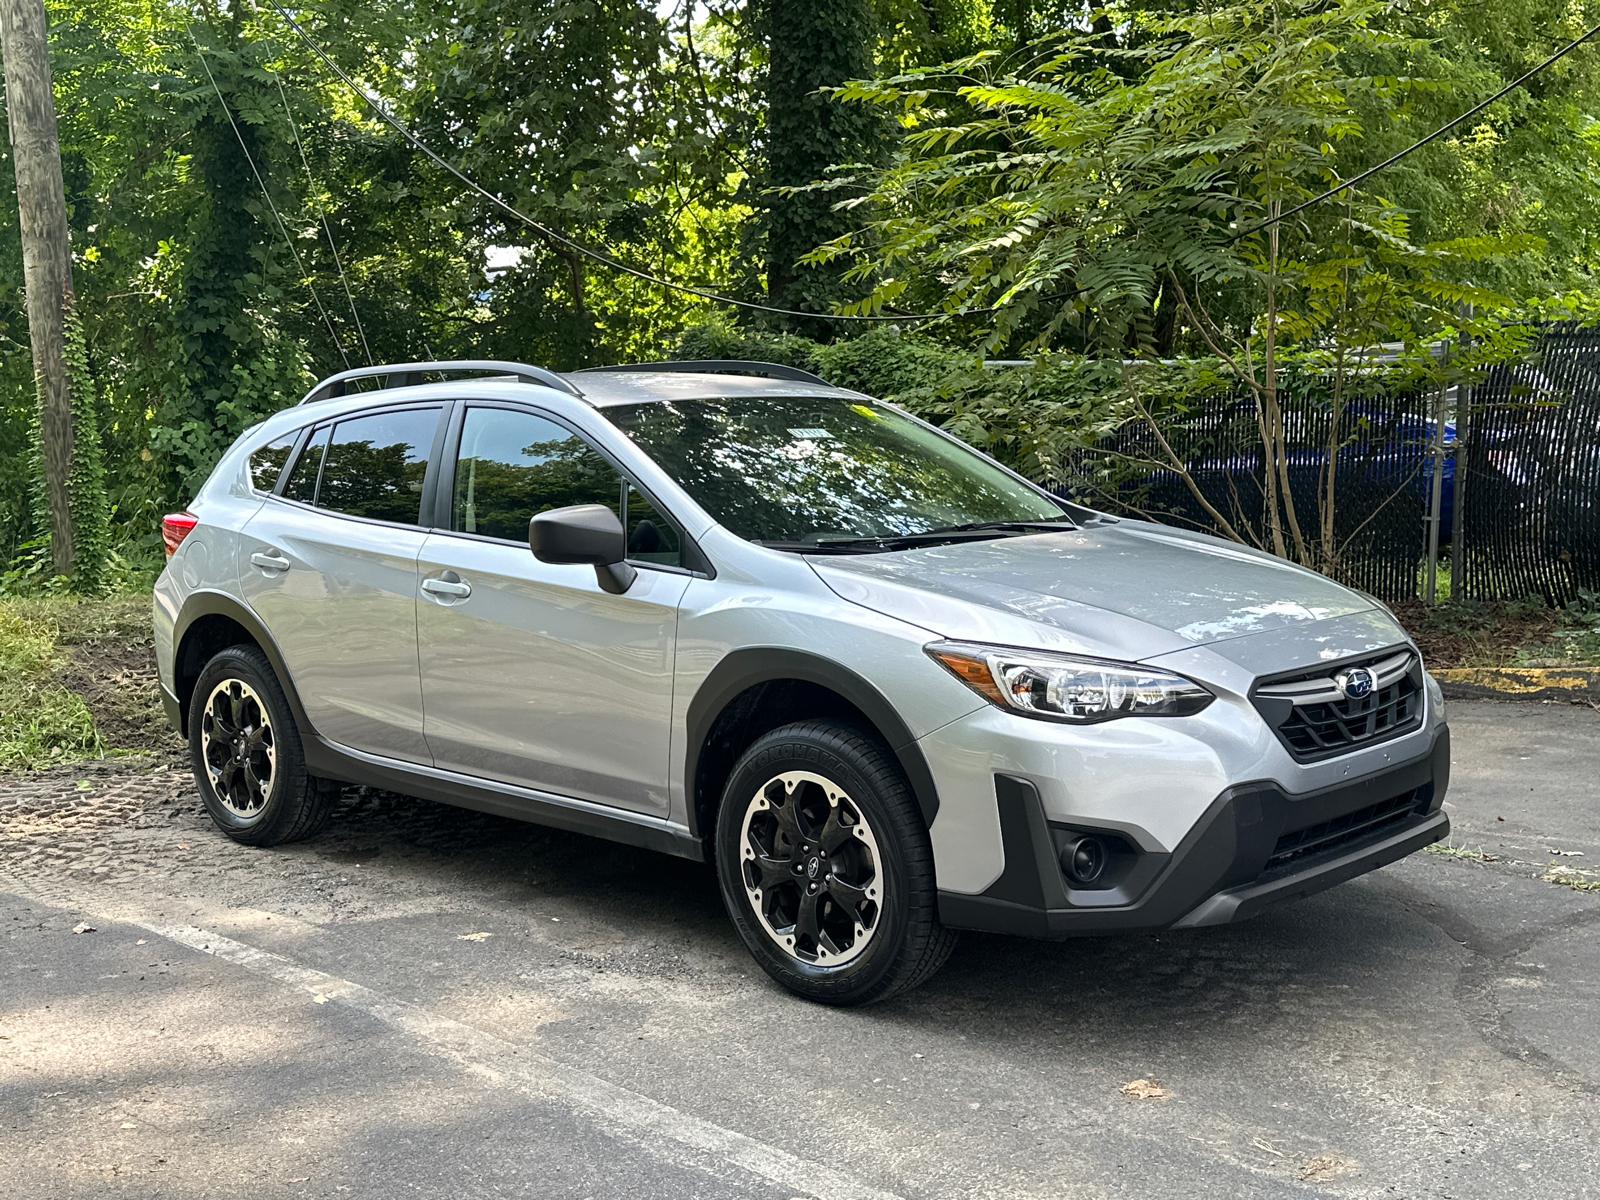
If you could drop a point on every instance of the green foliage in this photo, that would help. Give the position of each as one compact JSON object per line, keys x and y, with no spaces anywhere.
{"x":1530,"y":164}
{"x":718,"y":339}
{"x":1576,"y":643}
{"x":1028,"y":416}
{"x":86,"y":481}
{"x":1080,"y":169}
{"x":812,"y":48}
{"x":1120,"y":197}
{"x":41,"y":722}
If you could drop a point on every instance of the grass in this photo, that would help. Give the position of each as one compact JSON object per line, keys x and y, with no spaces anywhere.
{"x":1572,"y":877}
{"x":1461,"y":852}
{"x":76,"y":679}
{"x":41,"y":722}
{"x":1582,"y":881}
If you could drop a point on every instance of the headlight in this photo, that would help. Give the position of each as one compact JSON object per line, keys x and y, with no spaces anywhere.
{"x":1063,"y":687}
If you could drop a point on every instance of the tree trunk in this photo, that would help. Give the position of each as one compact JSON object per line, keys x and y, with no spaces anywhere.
{"x":46,"y":251}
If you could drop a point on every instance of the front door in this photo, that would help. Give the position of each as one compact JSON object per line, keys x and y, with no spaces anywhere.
{"x":330,"y":566}
{"x":531,"y":674}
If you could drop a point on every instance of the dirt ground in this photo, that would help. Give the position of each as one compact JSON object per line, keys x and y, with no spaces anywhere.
{"x":1484,"y":636}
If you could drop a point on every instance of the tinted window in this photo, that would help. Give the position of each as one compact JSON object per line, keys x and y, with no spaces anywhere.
{"x":375,"y":465}
{"x":302,"y":482}
{"x":807,"y":470}
{"x":514,"y":465}
{"x":266,"y":464}
{"x":651,"y":537}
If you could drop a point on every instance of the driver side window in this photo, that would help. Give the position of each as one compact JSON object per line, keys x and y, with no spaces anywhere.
{"x":512,"y":466}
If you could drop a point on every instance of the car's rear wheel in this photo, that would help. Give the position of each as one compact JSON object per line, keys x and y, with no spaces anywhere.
{"x":248,"y":759}
{"x":826,"y":867}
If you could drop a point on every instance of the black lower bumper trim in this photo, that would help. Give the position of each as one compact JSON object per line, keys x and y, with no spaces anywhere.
{"x":1229,"y":867}
{"x":1239,"y":903}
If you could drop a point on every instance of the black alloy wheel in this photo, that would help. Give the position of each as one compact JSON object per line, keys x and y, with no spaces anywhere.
{"x":248,"y":759}
{"x":810,"y":868}
{"x":238,"y":747}
{"x":826,"y":867}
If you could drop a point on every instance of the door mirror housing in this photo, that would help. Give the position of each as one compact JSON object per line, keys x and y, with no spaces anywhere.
{"x":584,"y":533}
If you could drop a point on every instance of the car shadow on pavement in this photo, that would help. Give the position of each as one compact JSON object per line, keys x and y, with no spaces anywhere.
{"x":1351,"y":945}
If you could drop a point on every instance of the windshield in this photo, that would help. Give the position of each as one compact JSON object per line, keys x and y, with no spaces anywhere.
{"x":805,"y":471}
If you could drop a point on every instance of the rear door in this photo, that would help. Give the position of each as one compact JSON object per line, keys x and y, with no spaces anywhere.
{"x":531,"y":673}
{"x":330,"y":566}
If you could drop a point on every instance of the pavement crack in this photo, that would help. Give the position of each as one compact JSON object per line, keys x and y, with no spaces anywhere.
{"x":1492,"y":958}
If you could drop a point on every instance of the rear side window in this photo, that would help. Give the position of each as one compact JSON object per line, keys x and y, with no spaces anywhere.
{"x":302,"y":482}
{"x":375,"y":465}
{"x":267,"y":463}
{"x":514,"y":465}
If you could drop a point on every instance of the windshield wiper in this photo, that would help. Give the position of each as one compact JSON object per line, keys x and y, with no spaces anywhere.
{"x":976,"y":531}
{"x":887,"y":541}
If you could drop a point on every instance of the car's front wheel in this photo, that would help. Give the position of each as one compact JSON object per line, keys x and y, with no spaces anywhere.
{"x":826,"y":866}
{"x":247,"y":756}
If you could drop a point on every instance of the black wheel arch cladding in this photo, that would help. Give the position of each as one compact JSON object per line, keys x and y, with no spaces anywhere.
{"x":746,"y":669}
{"x":193,"y":620}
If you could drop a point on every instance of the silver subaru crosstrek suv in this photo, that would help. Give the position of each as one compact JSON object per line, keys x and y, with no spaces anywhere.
{"x":890,"y":688}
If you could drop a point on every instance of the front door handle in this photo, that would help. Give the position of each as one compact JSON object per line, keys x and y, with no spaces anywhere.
{"x":269,"y":560}
{"x":448,"y":584}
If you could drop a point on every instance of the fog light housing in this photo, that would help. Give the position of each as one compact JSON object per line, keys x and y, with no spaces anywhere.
{"x":1083,"y":860}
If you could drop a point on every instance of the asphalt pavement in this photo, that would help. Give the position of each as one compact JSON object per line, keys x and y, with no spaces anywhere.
{"x":426,"y":1001}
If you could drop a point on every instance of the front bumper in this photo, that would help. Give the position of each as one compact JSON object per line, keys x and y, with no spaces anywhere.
{"x":1256,"y":846}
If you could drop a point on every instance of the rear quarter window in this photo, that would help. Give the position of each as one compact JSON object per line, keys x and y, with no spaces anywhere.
{"x":267,"y":462}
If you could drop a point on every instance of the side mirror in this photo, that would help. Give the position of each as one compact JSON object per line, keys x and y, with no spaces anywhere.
{"x":584,"y":533}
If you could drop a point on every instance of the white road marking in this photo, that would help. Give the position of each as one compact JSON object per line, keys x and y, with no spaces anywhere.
{"x":659,"y":1128}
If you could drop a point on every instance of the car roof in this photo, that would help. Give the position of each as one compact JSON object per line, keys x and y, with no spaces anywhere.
{"x":604,"y":389}
{"x":597,"y":388}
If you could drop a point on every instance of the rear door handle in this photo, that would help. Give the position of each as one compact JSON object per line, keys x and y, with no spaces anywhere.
{"x":448,"y":584}
{"x":269,"y":561}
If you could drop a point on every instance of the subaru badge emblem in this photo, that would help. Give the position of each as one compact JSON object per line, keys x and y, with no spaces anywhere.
{"x":1356,"y":683}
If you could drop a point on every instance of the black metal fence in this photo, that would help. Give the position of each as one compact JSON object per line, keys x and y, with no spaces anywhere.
{"x":1381,"y":478}
{"x":1529,"y":480}
{"x":1525,"y":471}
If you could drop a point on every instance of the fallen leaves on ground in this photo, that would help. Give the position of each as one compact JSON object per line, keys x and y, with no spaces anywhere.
{"x":1145,"y":1089}
{"x":1323,"y":1166}
{"x":83,"y":927}
{"x":471,"y":937}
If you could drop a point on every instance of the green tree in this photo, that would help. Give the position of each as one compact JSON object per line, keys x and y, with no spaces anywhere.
{"x":1083,"y":197}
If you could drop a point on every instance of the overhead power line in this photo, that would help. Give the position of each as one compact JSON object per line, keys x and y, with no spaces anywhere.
{"x":262,"y":183}
{"x":1420,"y":143}
{"x":322,"y":215}
{"x":617,"y":265}
{"x":577,"y":247}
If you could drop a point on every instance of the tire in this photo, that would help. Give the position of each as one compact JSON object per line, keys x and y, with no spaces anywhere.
{"x":247,"y":756}
{"x":849,"y":929}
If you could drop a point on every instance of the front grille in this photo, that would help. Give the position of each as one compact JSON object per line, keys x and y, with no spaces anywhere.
{"x":1315,"y":719}
{"x":1350,"y":828}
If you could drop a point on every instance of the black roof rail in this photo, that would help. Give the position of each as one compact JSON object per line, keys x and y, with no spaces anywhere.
{"x":722,"y":366}
{"x":405,"y":374}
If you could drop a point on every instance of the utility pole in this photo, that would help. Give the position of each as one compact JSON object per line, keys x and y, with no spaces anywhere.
{"x":46,"y":251}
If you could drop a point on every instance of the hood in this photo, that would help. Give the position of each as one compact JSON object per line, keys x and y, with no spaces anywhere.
{"x":1127,"y":589}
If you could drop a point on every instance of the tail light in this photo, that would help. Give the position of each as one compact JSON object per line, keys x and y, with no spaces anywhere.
{"x":175,"y":527}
